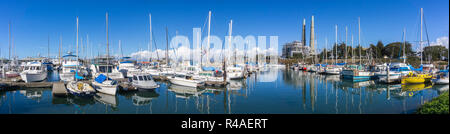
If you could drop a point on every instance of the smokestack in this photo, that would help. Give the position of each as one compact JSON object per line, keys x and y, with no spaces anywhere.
{"x":303,"y":33}
{"x":311,"y":42}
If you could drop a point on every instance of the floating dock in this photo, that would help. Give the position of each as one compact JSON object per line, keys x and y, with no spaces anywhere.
{"x":59,"y":89}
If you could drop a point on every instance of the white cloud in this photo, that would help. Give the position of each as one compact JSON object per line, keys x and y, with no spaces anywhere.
{"x":443,"y":41}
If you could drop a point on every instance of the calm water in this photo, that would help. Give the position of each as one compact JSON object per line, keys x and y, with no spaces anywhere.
{"x":276,"y":91}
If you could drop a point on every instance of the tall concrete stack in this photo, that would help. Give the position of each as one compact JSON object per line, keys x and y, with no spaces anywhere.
{"x":311,"y":41}
{"x":304,"y":33}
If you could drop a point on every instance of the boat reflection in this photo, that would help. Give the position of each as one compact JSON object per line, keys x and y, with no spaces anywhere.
{"x":141,"y":98}
{"x":107,"y":99}
{"x":33,"y":93}
{"x":235,"y":84}
{"x":185,"y":92}
{"x":73,"y":100}
{"x":441,"y":88}
{"x":352,"y":84}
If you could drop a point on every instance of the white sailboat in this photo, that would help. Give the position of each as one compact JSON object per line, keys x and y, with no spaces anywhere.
{"x":333,"y":69}
{"x":79,"y":88}
{"x":103,"y":83}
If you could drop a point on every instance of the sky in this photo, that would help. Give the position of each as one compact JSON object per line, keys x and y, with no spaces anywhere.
{"x":34,"y":22}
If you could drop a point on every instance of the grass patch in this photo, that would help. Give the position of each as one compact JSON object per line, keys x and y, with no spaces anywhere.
{"x":438,"y":105}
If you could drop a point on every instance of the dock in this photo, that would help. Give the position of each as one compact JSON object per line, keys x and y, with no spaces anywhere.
{"x":216,"y":83}
{"x":59,"y":89}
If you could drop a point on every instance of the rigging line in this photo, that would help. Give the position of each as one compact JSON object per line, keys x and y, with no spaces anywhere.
{"x":157,"y":54}
{"x":426,"y":30}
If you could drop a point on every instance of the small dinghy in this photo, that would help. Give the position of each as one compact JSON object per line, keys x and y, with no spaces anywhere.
{"x":80,"y":89}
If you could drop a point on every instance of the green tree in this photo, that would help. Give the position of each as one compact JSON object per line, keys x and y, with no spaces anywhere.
{"x":379,"y":49}
{"x":434,"y":52}
{"x":395,"y":50}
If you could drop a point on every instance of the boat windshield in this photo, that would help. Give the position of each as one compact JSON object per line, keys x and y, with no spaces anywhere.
{"x":145,"y":78}
{"x":141,"y":78}
{"x":103,"y":69}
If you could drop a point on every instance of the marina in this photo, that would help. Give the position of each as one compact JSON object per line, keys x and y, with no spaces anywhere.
{"x":109,"y":65}
{"x":291,"y":92}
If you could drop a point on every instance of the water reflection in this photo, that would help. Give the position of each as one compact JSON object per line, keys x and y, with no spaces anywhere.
{"x":290,"y":92}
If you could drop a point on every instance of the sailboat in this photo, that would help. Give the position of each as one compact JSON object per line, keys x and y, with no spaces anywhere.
{"x":334,"y":69}
{"x":356,"y":72}
{"x":12,"y":68}
{"x":101,"y":82}
{"x":79,"y":88}
{"x":423,"y":76}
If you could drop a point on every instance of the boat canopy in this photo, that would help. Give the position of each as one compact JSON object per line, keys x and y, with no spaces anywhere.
{"x":100,"y":78}
{"x":69,"y":55}
{"x":340,"y":64}
{"x":126,"y":61}
{"x":208,"y":68}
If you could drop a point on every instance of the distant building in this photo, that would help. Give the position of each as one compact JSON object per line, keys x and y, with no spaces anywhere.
{"x":295,"y":47}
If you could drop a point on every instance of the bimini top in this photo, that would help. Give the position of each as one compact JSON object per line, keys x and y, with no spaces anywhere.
{"x":69,"y":55}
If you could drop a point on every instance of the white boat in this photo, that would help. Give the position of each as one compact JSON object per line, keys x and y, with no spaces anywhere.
{"x":128,"y":69}
{"x":144,"y":82}
{"x":105,"y":69}
{"x":104,"y":85}
{"x":403,"y":68}
{"x":80,"y":89}
{"x":210,"y":76}
{"x":33,"y":72}
{"x":69,"y":67}
{"x":355,"y":73}
{"x":332,"y":70}
{"x":184,"y":79}
{"x":185,"y":92}
{"x":235,"y":72}
{"x":441,"y":79}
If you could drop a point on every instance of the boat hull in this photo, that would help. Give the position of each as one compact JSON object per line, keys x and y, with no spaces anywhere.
{"x":107,"y":89}
{"x":33,"y":77}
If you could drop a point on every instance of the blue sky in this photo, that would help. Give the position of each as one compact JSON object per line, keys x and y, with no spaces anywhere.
{"x":34,"y":20}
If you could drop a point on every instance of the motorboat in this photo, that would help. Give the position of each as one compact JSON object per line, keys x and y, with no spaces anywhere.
{"x":184,"y":79}
{"x":355,"y":73}
{"x":69,"y":67}
{"x":141,"y":81}
{"x":128,"y":68}
{"x":441,"y":78}
{"x":33,"y":72}
{"x":235,"y":72}
{"x":414,"y":78}
{"x":332,"y":70}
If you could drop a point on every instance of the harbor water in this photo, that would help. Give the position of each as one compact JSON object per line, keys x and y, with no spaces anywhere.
{"x":278,"y":90}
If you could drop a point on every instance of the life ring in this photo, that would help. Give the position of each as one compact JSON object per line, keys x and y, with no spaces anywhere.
{"x":411,"y":94}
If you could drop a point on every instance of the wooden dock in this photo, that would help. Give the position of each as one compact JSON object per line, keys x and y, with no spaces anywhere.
{"x":59,"y":89}
{"x":216,"y":83}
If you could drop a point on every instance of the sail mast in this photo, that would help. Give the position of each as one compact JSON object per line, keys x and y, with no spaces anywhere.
{"x":107,"y":46}
{"x":151,"y":38}
{"x":345,"y":53}
{"x":77,"y":45}
{"x":9,"y":42}
{"x":404,"y":45}
{"x":326,"y":51}
{"x":336,"y":54}
{"x":353,"y":56}
{"x":208,"y":40}
{"x":359,"y":40}
{"x":420,"y":42}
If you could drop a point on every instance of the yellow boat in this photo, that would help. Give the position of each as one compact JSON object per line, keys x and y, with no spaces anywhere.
{"x":413,"y":78}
